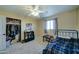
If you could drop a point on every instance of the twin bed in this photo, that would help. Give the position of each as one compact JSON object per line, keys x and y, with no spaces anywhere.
{"x":66,"y":42}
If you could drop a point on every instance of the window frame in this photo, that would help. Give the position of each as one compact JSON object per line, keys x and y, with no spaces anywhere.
{"x":49,"y":24}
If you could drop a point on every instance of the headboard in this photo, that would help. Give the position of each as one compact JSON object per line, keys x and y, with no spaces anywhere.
{"x":66,"y":32}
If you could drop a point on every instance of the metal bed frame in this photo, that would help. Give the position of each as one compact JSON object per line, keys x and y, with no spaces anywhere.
{"x":67,"y":32}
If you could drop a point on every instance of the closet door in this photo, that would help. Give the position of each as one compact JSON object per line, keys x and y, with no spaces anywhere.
{"x":2,"y":33}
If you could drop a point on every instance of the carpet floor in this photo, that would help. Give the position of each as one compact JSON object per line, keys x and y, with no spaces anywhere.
{"x":32,"y":47}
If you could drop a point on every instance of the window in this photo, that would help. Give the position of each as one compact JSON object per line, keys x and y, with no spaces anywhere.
{"x":50,"y":24}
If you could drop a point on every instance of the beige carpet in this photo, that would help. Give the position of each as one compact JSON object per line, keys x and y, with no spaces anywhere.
{"x":32,"y":47}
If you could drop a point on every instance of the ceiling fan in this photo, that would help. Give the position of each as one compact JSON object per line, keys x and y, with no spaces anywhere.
{"x":34,"y":10}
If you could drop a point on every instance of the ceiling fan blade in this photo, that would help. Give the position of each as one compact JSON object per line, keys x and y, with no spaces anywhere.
{"x":34,"y":10}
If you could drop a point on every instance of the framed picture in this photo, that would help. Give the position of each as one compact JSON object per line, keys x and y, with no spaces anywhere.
{"x":29,"y":26}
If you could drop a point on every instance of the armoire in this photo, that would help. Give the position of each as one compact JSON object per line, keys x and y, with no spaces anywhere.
{"x":3,"y":33}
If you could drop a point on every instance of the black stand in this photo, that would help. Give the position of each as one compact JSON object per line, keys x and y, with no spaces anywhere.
{"x":28,"y":36}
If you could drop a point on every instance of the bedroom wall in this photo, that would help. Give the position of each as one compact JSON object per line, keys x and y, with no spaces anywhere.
{"x":40,"y":25}
{"x":66,"y":20}
{"x":24,"y":20}
{"x":77,"y":13}
{"x":71,"y":20}
{"x":35,"y":23}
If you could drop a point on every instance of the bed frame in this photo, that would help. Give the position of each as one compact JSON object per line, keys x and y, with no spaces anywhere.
{"x":66,"y":32}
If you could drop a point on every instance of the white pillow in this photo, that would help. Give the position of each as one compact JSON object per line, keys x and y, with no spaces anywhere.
{"x":65,"y":37}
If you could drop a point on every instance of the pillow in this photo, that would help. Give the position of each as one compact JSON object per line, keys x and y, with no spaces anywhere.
{"x":66,"y":37}
{"x":58,"y":37}
{"x":63,"y":38}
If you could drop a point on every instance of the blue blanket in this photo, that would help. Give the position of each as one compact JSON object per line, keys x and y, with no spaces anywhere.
{"x":62,"y":46}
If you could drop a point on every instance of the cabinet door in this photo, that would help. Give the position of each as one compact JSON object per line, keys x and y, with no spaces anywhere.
{"x":2,"y":33}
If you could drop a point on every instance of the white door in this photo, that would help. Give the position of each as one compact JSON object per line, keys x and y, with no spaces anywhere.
{"x":2,"y":33}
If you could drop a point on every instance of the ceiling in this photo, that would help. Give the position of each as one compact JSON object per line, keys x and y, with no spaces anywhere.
{"x":47,"y":10}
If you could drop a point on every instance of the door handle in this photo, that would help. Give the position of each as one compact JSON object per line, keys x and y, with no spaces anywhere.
{"x":3,"y":34}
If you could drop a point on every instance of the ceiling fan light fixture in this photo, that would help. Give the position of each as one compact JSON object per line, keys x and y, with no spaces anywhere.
{"x":35,"y":13}
{"x":34,"y":10}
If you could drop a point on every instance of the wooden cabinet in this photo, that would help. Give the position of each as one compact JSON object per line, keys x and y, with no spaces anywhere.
{"x":28,"y":36}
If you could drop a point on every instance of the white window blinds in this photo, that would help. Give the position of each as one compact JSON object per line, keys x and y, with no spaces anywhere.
{"x":50,"y":24}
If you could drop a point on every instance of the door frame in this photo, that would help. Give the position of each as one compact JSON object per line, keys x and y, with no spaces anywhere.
{"x":19,"y":40}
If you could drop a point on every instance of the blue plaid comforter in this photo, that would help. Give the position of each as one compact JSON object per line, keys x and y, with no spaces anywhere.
{"x":62,"y":46}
